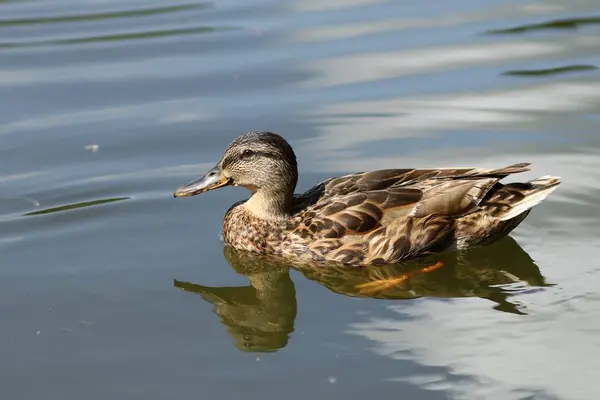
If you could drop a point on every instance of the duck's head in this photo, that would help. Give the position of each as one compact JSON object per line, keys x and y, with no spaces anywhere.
{"x":259,"y":161}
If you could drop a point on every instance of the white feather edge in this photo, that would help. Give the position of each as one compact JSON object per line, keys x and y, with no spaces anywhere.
{"x":532,"y":200}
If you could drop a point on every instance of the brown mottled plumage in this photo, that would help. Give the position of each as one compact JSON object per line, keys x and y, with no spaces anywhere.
{"x":378,"y":217}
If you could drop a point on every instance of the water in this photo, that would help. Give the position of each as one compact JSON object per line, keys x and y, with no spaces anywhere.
{"x":109,"y":287}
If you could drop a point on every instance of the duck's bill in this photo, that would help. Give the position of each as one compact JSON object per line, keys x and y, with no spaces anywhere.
{"x":213,"y":179}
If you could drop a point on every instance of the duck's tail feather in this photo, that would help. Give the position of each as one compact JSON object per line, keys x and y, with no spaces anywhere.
{"x":511,"y":169}
{"x":525,"y":196}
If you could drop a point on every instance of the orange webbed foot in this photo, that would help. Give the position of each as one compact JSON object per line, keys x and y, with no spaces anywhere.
{"x":382,"y":284}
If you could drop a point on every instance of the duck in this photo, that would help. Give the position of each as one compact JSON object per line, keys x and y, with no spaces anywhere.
{"x":378,"y":217}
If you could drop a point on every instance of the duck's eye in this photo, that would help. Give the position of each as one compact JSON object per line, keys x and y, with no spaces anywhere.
{"x":247,"y":153}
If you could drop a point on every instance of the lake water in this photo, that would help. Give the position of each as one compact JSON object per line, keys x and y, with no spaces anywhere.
{"x":110,"y":288}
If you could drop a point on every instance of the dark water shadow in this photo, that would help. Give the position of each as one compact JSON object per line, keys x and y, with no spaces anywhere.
{"x":550,"y":71}
{"x":144,"y":35}
{"x":567,"y":23}
{"x":260,"y":317}
{"x":145,"y":12}
{"x":74,"y":206}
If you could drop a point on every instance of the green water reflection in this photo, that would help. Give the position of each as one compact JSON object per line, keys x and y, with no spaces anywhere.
{"x":260,"y":317}
{"x":551,"y":71}
{"x":104,"y":15}
{"x":121,"y":37}
{"x":568,"y":23}
{"x":74,"y":206}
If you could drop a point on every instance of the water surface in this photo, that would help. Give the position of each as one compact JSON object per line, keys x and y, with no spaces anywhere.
{"x":111,"y":288}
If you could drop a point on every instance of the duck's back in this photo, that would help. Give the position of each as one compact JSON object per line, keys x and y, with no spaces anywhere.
{"x":389,"y":215}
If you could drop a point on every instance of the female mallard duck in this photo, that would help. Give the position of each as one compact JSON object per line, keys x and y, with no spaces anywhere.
{"x":378,"y":217}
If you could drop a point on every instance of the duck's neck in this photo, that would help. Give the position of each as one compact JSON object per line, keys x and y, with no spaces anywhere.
{"x":272,"y":204}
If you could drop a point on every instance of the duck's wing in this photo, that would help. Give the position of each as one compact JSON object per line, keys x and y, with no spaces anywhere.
{"x":388,"y":178}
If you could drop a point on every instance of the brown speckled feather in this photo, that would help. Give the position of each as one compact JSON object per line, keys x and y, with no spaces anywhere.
{"x":385,"y":216}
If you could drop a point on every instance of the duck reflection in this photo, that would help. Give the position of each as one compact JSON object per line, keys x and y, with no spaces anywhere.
{"x":260,"y":317}
{"x":494,"y":272}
